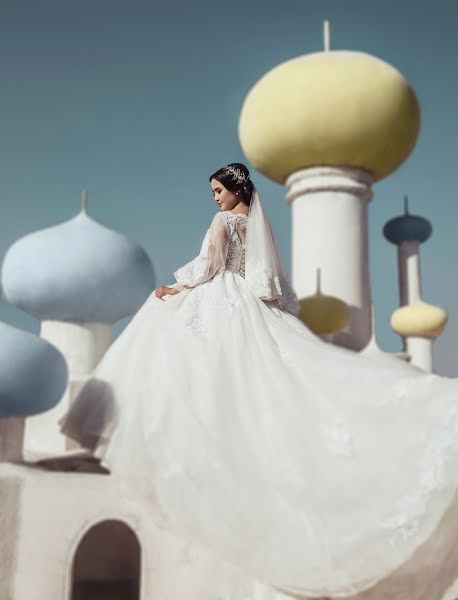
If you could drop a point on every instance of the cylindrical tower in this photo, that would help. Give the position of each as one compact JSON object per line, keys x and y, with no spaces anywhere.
{"x":407,"y":232}
{"x":329,"y":124}
{"x":329,"y":230}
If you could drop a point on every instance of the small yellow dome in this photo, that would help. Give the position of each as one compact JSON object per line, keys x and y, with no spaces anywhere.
{"x":335,"y":108}
{"x":323,"y":314}
{"x":420,"y":319}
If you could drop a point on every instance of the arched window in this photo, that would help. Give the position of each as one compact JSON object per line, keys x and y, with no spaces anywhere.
{"x":106,"y":565}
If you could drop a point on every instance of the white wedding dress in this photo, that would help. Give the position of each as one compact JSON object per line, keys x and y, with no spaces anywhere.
{"x":316,"y":469}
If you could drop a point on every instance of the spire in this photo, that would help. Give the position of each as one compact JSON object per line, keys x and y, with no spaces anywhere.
{"x":326,"y":36}
{"x":84,"y":201}
{"x":318,"y":281}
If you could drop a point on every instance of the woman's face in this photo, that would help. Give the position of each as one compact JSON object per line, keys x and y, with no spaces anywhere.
{"x":225,"y":199}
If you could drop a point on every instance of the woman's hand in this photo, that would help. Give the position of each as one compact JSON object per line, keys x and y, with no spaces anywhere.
{"x":163,"y":290}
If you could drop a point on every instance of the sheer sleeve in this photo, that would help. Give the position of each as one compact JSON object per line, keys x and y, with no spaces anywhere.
{"x":211,"y":259}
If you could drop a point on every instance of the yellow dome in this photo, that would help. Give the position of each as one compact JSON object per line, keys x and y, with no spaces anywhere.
{"x":323,"y":314}
{"x":419,"y":319}
{"x":337,"y":108}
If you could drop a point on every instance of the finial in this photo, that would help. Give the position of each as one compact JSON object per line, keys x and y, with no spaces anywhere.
{"x":84,"y":201}
{"x":406,"y":204}
{"x":326,"y":35}
{"x":318,"y":281}
{"x":372,"y":343}
{"x":373,"y":323}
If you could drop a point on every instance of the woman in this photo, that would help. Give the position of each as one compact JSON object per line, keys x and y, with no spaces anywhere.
{"x":318,"y":470}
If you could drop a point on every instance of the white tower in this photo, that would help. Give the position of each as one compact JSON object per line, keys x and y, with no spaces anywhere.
{"x":329,"y":124}
{"x":417,"y":322}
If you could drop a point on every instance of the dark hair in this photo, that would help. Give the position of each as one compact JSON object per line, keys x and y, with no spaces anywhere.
{"x":245,"y":189}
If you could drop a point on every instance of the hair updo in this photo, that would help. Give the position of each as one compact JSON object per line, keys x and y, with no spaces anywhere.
{"x":244,"y":189}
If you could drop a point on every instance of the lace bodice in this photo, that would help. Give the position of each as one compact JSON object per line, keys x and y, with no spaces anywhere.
{"x":236,"y":227}
{"x":223,"y":248}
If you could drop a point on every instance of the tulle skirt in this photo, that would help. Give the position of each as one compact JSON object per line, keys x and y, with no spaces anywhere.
{"x":321,"y":471}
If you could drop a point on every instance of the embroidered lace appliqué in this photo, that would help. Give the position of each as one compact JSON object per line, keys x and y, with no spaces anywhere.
{"x":235,"y":260}
{"x":263,"y":289}
{"x":242,"y":264}
{"x":192,"y":271}
{"x":398,"y":394}
{"x":193,"y":319}
{"x":410,"y":509}
{"x":232,"y":302}
{"x":340,"y":440}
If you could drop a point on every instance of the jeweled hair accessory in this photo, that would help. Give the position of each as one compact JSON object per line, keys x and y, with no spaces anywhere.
{"x":236,"y":173}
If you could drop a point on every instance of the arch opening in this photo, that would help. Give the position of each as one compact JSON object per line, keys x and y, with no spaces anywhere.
{"x":106,"y":564}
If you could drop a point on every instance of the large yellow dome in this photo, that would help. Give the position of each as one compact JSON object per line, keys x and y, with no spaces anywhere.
{"x":420,"y":319}
{"x":333,"y":108}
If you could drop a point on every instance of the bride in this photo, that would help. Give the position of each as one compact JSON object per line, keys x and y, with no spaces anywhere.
{"x":318,"y":470}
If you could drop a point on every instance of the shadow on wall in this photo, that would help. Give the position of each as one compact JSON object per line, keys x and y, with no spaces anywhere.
{"x":92,"y":416}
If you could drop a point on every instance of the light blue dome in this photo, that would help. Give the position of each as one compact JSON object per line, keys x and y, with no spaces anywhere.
{"x":33,"y":373}
{"x":79,"y":271}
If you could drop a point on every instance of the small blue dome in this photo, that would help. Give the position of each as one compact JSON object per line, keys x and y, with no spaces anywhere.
{"x":407,"y":228}
{"x":33,"y":373}
{"x":77,"y":270}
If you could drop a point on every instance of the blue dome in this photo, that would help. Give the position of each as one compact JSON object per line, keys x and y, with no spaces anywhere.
{"x":407,"y":227}
{"x":79,"y":271}
{"x":33,"y":373}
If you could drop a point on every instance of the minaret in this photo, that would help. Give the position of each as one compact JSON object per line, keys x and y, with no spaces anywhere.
{"x":417,"y":322}
{"x":77,"y":278}
{"x":327,"y":125}
{"x":407,"y":232}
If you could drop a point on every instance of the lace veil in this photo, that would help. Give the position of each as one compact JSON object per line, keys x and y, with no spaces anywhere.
{"x":264,"y":270}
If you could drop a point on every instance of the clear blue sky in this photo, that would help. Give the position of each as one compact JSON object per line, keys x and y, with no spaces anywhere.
{"x":138,"y":102}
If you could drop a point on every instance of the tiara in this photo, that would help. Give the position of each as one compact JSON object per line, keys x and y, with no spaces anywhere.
{"x":236,"y":173}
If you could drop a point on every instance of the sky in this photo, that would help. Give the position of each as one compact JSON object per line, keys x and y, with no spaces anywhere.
{"x":138,"y":102}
